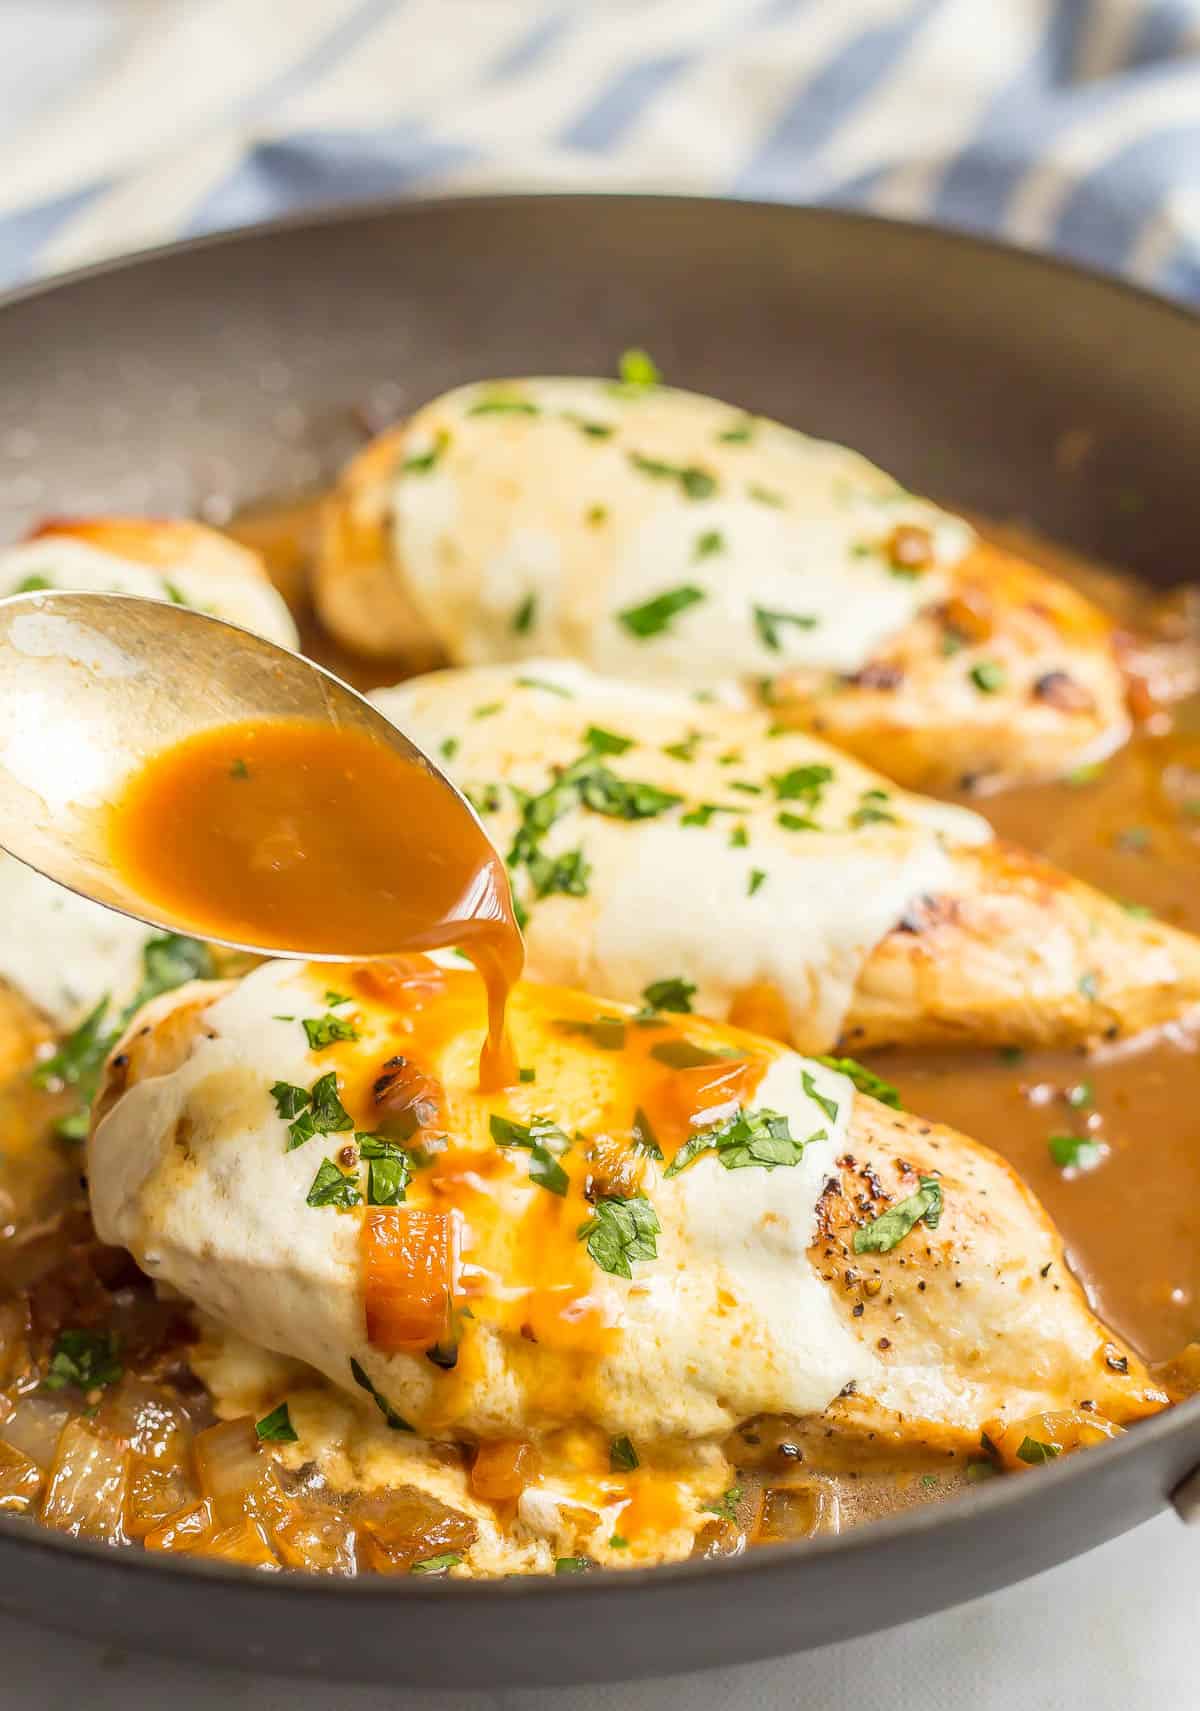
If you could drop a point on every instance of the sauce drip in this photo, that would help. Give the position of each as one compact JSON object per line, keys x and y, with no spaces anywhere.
{"x":296,"y":836}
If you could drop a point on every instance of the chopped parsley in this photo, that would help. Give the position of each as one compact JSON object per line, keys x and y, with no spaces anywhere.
{"x":593,"y":429}
{"x":332,"y":1187}
{"x":739,"y":837}
{"x":765,"y":495}
{"x":396,"y":1421}
{"x":604,"y":742}
{"x":527,"y":1074}
{"x":541,"y":1138}
{"x":545,"y":684}
{"x":239,"y":769}
{"x":89,"y":1359}
{"x":595,"y":515}
{"x":440,"y":1564}
{"x":567,"y":874}
{"x":485,"y":798}
{"x":695,"y":482}
{"x":487,"y":710}
{"x":747,"y":1138}
{"x":674,"y":994}
{"x":769,"y":623}
{"x":389,"y":1169}
{"x":504,"y":407}
{"x":1033,"y":1451}
{"x":890,"y":1228}
{"x":644,"y":1139}
{"x":638,"y":369}
{"x":448,"y":748}
{"x":276,"y":1427}
{"x":829,"y":1106}
{"x":802,"y":784}
{"x":574,"y":1565}
{"x":524,"y":616}
{"x":318,"y":1112}
{"x":704,"y":811}
{"x":865,"y":1080}
{"x":797,"y":822}
{"x":607,"y":1032}
{"x":686,"y":748}
{"x":758,"y":877}
{"x":334,"y":999}
{"x":322,"y":1031}
{"x":871,"y":810}
{"x":420,"y":463}
{"x":622,"y":1457}
{"x":726,"y":1504}
{"x":686,"y":1054}
{"x":988,"y":676}
{"x":620,"y":1233}
{"x":653,"y":617}
{"x":33,"y":584}
{"x":1074,"y":1152}
{"x":740,"y":434}
{"x":710,"y":542}
{"x":168,"y":961}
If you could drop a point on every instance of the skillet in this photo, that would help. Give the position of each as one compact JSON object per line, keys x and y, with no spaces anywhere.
{"x":206,"y":375}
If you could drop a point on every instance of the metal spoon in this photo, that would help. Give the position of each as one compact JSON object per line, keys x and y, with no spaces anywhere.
{"x":93,"y":685}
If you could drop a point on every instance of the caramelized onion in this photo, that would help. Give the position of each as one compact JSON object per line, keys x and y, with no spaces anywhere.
{"x":398,"y":1528}
{"x":86,"y":1493}
{"x":503,"y":1468}
{"x":408,"y":1277}
{"x":20,"y":1481}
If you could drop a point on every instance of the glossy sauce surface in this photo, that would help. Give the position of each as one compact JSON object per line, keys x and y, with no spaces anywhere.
{"x":295,"y":835}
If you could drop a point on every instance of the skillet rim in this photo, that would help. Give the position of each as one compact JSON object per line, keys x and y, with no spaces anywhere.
{"x":949,"y":1517}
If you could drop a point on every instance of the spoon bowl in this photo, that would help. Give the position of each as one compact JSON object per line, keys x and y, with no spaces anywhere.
{"x":95,"y":685}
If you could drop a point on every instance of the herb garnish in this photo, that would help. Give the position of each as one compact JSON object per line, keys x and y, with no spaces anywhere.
{"x":674,"y":994}
{"x":504,"y":407}
{"x":696,"y":483}
{"x":396,"y":1421}
{"x":439,"y":1564}
{"x":710,"y":542}
{"x":758,"y":877}
{"x":168,"y":961}
{"x":644,"y":1139}
{"x":523,"y":618}
{"x":422,"y":462}
{"x":276,"y":1427}
{"x":318,"y":1112}
{"x":622,"y":1457}
{"x":1074,"y":1152}
{"x":865,"y":1080}
{"x":607,"y":1032}
{"x":1033,"y":1451}
{"x":574,"y":1565}
{"x":726,"y":1504}
{"x":332,"y":1187}
{"x":652,"y":617}
{"x":988,"y":676}
{"x":568,"y":874}
{"x":542,"y":1138}
{"x":638,"y":370}
{"x":769,"y":623}
{"x":603,"y":742}
{"x":829,"y":1106}
{"x":89,"y":1359}
{"x":389,"y":1169}
{"x":740,"y":434}
{"x":322,"y":1031}
{"x":871,"y":810}
{"x":802,"y":784}
{"x":747,"y":1138}
{"x":620,"y":1233}
{"x":239,"y":769}
{"x":890,"y":1228}
{"x":33,"y":584}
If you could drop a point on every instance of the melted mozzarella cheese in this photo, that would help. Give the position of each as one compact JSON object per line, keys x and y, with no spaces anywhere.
{"x":61,"y":951}
{"x":190,"y":1170}
{"x":531,"y":529}
{"x":740,"y":900}
{"x":57,"y":561}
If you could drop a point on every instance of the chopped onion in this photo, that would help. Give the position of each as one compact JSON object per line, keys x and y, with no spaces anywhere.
{"x":20,"y":1480}
{"x":148,"y":1419}
{"x":154,"y":1493}
{"x":86,"y":1493}
{"x":183,"y":1530}
{"x":243,"y":1543}
{"x":35,"y":1426}
{"x":14,"y":1339}
{"x":400,"y":1527}
{"x":234,"y":1474}
{"x":502,"y":1469}
{"x":408,"y":1275}
{"x":317,"y":1538}
{"x":797,"y":1512}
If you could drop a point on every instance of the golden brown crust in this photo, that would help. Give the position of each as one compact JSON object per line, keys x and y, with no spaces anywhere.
{"x":1018,"y":953}
{"x":1052,"y":695}
{"x":163,"y":543}
{"x":358,"y":593}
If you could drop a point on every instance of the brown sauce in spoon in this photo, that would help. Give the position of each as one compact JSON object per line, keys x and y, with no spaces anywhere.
{"x":292,"y":835}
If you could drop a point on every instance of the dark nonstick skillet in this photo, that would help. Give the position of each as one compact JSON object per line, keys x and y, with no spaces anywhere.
{"x":209,"y":374}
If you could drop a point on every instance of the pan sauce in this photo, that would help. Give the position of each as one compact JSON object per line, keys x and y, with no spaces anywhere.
{"x":1132,"y":827}
{"x":1131,"y":1221}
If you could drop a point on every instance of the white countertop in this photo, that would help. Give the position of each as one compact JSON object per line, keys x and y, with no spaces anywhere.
{"x":1112,"y":1631}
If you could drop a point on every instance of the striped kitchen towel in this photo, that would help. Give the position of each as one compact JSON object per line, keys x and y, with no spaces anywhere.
{"x":1072,"y":125}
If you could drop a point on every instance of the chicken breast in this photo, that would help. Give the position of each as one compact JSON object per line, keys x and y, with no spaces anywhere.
{"x":662,"y":536}
{"x":652,"y":838}
{"x":665,"y":1228}
{"x":59,"y":952}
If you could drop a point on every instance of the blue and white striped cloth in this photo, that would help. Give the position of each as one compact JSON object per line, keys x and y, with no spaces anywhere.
{"x":1071,"y":125}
